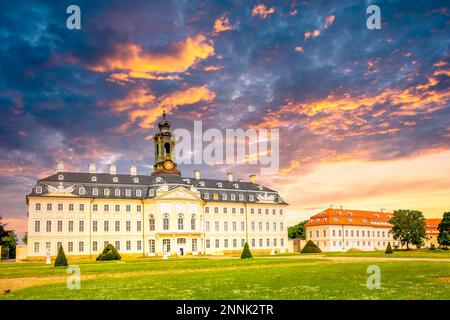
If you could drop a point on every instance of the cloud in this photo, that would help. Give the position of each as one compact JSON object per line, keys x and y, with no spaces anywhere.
{"x":132,"y":60}
{"x":299,"y":49}
{"x":329,"y":21}
{"x":222,"y":24}
{"x":262,"y":11}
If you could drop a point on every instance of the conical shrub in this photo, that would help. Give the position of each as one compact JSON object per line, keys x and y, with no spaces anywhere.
{"x":61,"y":260}
{"x":109,"y":253}
{"x":310,"y":247}
{"x":389,"y":249}
{"x":246,"y":254}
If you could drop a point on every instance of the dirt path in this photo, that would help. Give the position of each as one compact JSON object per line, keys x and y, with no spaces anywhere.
{"x":337,"y":258}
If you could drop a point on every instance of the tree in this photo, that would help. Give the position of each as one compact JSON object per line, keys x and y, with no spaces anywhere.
{"x":25,"y":238}
{"x":109,"y":253}
{"x":61,"y":260}
{"x":408,"y":226}
{"x":297,"y":231}
{"x":246,"y":254}
{"x":444,"y":230}
{"x":389,"y":249}
{"x":310,"y":247}
{"x":8,"y":241}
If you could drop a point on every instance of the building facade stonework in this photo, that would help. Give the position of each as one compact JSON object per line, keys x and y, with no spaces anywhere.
{"x":147,"y":215}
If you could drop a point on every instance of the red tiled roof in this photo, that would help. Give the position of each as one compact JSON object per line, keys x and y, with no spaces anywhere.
{"x":431,"y":225}
{"x":351,"y":217}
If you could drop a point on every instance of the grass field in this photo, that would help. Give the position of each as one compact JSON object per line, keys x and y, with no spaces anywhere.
{"x":297,"y":276}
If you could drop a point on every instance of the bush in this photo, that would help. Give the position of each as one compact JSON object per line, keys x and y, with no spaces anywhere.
{"x":389,"y":249}
{"x":444,"y":248}
{"x":109,"y":253}
{"x":61,"y":260}
{"x":310,"y":247}
{"x":432,"y":247}
{"x":246,"y":254}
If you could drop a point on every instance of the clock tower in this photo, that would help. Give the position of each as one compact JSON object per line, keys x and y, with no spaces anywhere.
{"x":164,"y":149}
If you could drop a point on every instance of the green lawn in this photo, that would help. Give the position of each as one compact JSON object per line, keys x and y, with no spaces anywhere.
{"x":422,"y":253}
{"x":261,"y":278}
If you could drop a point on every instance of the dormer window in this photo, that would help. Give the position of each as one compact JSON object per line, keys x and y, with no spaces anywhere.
{"x":95,"y":192}
{"x":187,"y":180}
{"x":38,"y":189}
{"x":138,"y":193}
{"x":159,"y":180}
{"x":241,"y":197}
{"x":117,"y":192}
{"x":106,"y":192}
{"x":136,"y":180}
{"x":60,"y":177}
{"x":94,"y":179}
{"x":259,"y":187}
{"x":219,"y":184}
{"x":206,"y":195}
{"x":233,"y":196}
{"x":151,"y":192}
{"x":82,"y":191}
{"x":128,"y":193}
{"x":201,"y":183}
{"x":251,"y":198}
{"x":236,"y":186}
{"x":224,"y":196}
{"x":280,"y":199}
{"x":115,"y":179}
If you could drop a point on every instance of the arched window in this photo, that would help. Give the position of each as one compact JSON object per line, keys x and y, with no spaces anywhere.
{"x":165,"y":221}
{"x":167,"y":148}
{"x":151,"y":222}
{"x":193,"y":222}
{"x":180,"y":221}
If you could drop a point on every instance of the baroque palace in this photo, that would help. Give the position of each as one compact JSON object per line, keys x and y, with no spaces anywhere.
{"x":148,"y":215}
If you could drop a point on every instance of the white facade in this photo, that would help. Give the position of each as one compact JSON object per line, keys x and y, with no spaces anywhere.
{"x":177,"y":220}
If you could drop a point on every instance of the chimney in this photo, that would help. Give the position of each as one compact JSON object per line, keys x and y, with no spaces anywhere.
{"x":342,"y":207}
{"x":230,"y":176}
{"x":92,"y":168}
{"x":197,"y":174}
{"x":60,"y":167}
{"x":331,"y":206}
{"x":133,"y":170}
{"x":382,"y":210}
{"x":253,"y":178}
{"x":112,"y":169}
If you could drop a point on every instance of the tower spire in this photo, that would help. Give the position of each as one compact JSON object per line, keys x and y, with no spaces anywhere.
{"x":164,"y":149}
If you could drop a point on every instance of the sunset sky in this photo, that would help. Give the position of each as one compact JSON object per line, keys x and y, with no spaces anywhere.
{"x":364,"y":115}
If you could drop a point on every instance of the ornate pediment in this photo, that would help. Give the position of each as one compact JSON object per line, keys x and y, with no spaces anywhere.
{"x":178,"y":193}
{"x":264,"y":197}
{"x":60,"y":189}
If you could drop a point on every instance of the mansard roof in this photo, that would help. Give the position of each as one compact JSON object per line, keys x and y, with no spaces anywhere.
{"x":147,"y":182}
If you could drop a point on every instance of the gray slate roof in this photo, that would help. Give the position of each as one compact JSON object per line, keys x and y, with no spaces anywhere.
{"x":147,"y":182}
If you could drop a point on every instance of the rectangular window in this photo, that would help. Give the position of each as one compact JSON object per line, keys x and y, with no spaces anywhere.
{"x":117,"y":245}
{"x":225,"y":243}
{"x":225,"y":210}
{"x":151,"y":224}
{"x":233,"y":210}
{"x":49,"y":207}
{"x":70,"y":206}
{"x":70,"y":226}
{"x":128,"y":193}
{"x":252,"y":210}
{"x":81,"y":246}
{"x":216,"y":226}
{"x":267,"y":242}
{"x":242,"y":242}
{"x":207,"y":225}
{"x":81,"y":225}
{"x":206,"y":209}
{"x":267,"y":226}
{"x":106,"y":226}
{"x":138,"y":208}
{"x":274,"y":226}
{"x":128,"y":226}
{"x":117,"y":192}
{"x":224,"y":196}
{"x":260,"y":226}
{"x":253,"y":243}
{"x":216,"y":210}
{"x":251,"y":198}
{"x":60,"y":207}
{"x":37,"y":207}
{"x":128,"y":245}
{"x":233,"y":197}
{"x":242,"y":226}
{"x":59,"y":226}
{"x":194,"y":245}
{"x":217,"y":243}
{"x":128,"y":208}
{"x":208,"y":243}
{"x":259,"y":211}
{"x":95,"y":192}
{"x":139,"y":245}
{"x":274,"y":242}
{"x":95,"y":207}
{"x":260,"y":242}
{"x":225,"y":226}
{"x":333,"y":232}
{"x":281,"y":212}
{"x":48,"y":226}
{"x":241,"y":197}
{"x":81,"y":207}
{"x":206,"y":195}
{"x":253,"y":225}
{"x":94,"y":226}
{"x":281,"y":226}
{"x":106,"y":192}
{"x":267,"y":211}
{"x":36,"y":247}
{"x":138,"y":226}
{"x":274,"y":211}
{"x":117,"y":207}
{"x":105,"y":243}
{"x":166,"y":244}
{"x":58,"y":245}
{"x":242,"y":210}
{"x":94,"y":246}
{"x":117,"y":226}
{"x":234,"y":243}
{"x":106,"y":207}
{"x":70,"y":247}
{"x":234,"y":225}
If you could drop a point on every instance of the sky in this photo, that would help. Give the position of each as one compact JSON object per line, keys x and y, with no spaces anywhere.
{"x":363,"y":115}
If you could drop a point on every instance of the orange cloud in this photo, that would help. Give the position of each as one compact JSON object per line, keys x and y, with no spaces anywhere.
{"x":222,"y":24}
{"x":262,"y":11}
{"x":212,"y":68}
{"x":329,"y":21}
{"x":132,"y":60}
{"x":299,"y":49}
{"x":316,"y":33}
{"x":307,"y":35}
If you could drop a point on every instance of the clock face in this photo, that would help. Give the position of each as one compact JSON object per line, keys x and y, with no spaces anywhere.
{"x":168,"y":165}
